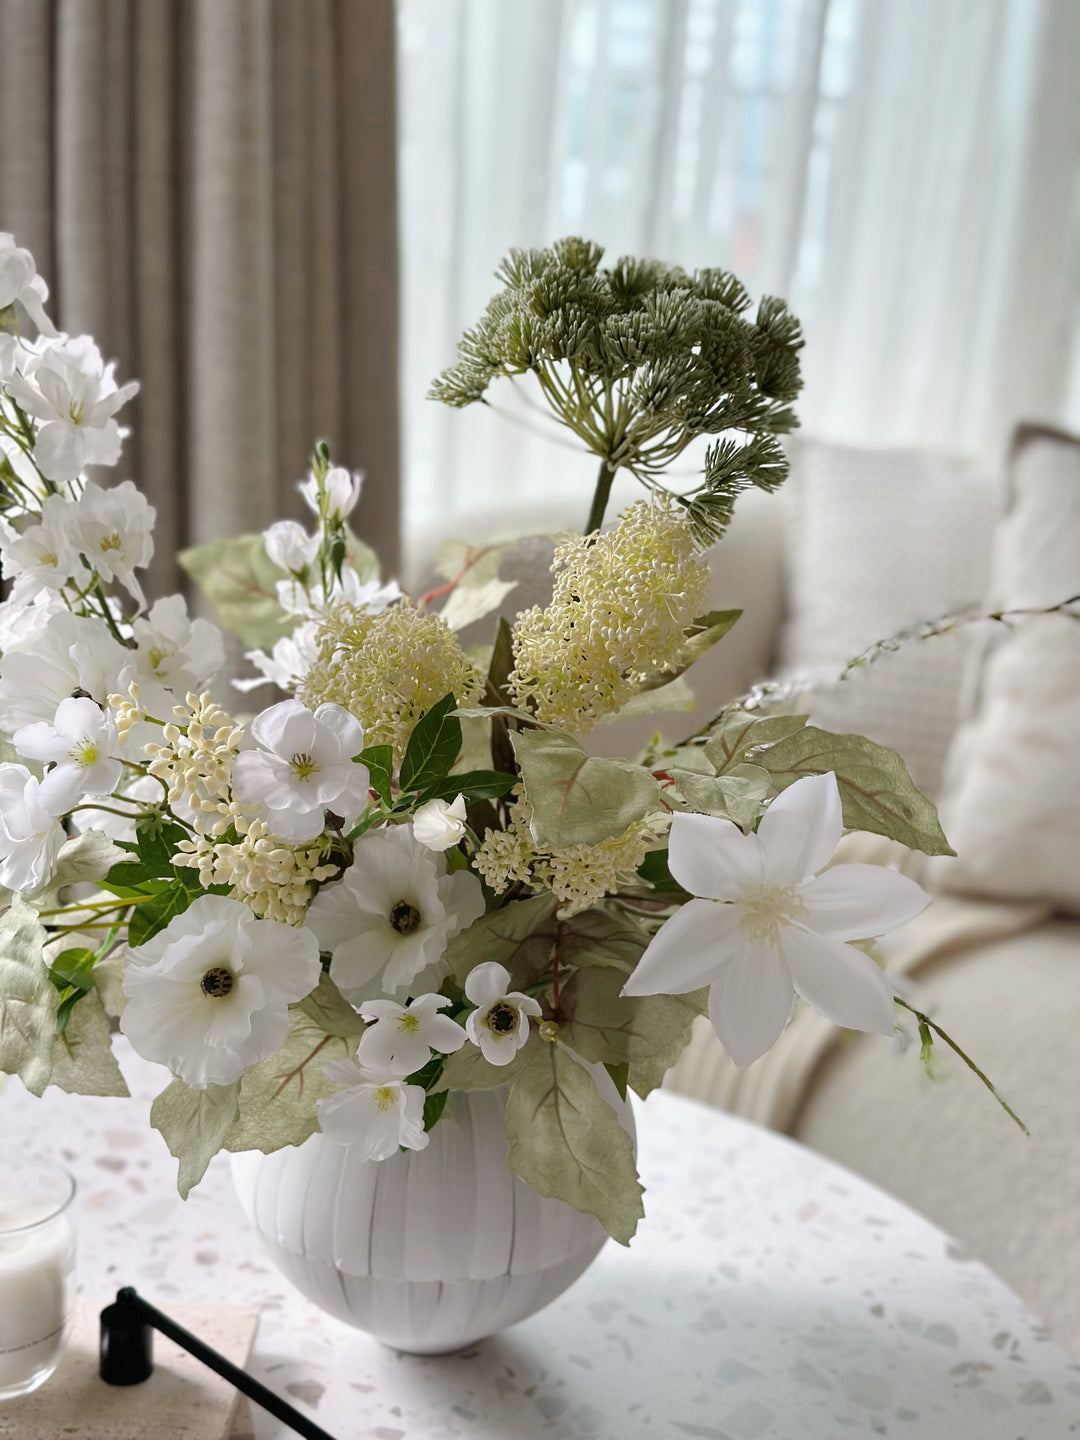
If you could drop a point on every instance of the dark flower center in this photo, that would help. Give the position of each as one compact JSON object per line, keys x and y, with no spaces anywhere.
{"x":502,"y":1018}
{"x":405,"y":918}
{"x":218,"y":982}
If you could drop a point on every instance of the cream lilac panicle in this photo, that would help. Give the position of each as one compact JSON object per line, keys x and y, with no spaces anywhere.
{"x":303,"y":768}
{"x":275,"y":880}
{"x":196,"y":761}
{"x":771,"y":923}
{"x":438,"y":825}
{"x":402,"y":1037}
{"x":623,"y":601}
{"x":209,"y":995}
{"x":500,"y":1022}
{"x":80,"y":743}
{"x":375,"y":1113}
{"x":30,"y":834}
{"x":388,"y":920}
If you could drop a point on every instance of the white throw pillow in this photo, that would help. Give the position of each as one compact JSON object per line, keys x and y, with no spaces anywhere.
{"x":878,"y":541}
{"x":1012,"y":802}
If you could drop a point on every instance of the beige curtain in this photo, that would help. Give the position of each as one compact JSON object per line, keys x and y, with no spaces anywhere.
{"x":209,"y":188}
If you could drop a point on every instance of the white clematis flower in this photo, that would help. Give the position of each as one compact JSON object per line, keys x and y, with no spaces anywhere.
{"x":30,"y":835}
{"x":500,"y":1023}
{"x":288,"y":663}
{"x":209,"y":995}
{"x":71,"y":393}
{"x":176,"y":655}
{"x":402,"y":1037}
{"x":438,"y":825}
{"x":290,"y":547}
{"x":114,"y":530}
{"x":767,"y":926}
{"x":341,"y":490}
{"x":65,"y":653}
{"x":20,"y":282}
{"x":303,"y":768}
{"x":81,"y":744}
{"x":389,"y":918}
{"x":42,"y":553}
{"x":375,"y":1113}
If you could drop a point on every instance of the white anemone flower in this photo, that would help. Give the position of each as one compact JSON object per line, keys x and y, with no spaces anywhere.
{"x":43,"y":553}
{"x":500,"y":1023}
{"x":20,"y":282}
{"x":767,"y":926}
{"x":81,"y":744}
{"x":30,"y":835}
{"x":288,"y":663}
{"x":375,"y":1113}
{"x":303,"y":768}
{"x":388,"y":920}
{"x":72,"y":395}
{"x":438,"y":825}
{"x":341,"y":491}
{"x":402,"y":1037}
{"x":64,"y":654}
{"x":114,"y":530}
{"x":209,"y":995}
{"x":176,"y":655}
{"x":290,"y":547}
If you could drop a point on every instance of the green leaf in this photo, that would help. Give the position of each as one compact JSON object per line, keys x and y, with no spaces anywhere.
{"x":467,"y":1069}
{"x":737,"y":795}
{"x":379,"y":760}
{"x":74,"y":966}
{"x":876,"y":790}
{"x":577,"y":798}
{"x":620,"y":1075}
{"x":468,"y":603}
{"x":239,"y":578}
{"x":194,"y":1124}
{"x":327,"y":1008}
{"x":676,"y":695}
{"x":83,"y":1062}
{"x":603,"y":1025}
{"x":28,"y":1000}
{"x":434,"y":1105}
{"x":146,"y":920}
{"x":739,"y":732}
{"x":568,"y":1143}
{"x":86,"y":857}
{"x":516,"y":936}
{"x":433,"y":746}
{"x":278,"y":1094}
{"x":496,"y":692}
{"x":603,"y":939}
{"x":654,"y":869}
{"x":473,"y":784}
{"x":706,"y":631}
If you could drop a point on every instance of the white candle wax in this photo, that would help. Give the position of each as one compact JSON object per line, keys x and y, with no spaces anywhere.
{"x":36,"y":1264}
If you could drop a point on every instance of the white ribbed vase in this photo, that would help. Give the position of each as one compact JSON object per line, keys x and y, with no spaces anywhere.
{"x":429,"y":1250}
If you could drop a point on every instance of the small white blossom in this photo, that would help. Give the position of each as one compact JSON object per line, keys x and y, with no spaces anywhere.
{"x":73,"y":396}
{"x":20,"y":282}
{"x":500,"y":1023}
{"x":81,"y":744}
{"x":64,"y":654}
{"x":402,"y":1037}
{"x":340,"y":489}
{"x":310,"y":601}
{"x":114,"y":530}
{"x":388,"y":920}
{"x":303,"y":768}
{"x":290,"y":547}
{"x":30,"y":835}
{"x":767,"y":926}
{"x":376,"y":1112}
{"x":177,"y":656}
{"x":438,"y":825}
{"x":209,"y":995}
{"x":44,"y":553}
{"x":288,"y":663}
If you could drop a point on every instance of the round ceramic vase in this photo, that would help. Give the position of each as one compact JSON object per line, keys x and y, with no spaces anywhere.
{"x":429,"y":1250}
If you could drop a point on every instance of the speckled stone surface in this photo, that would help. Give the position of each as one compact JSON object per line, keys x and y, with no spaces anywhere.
{"x":768,"y":1296}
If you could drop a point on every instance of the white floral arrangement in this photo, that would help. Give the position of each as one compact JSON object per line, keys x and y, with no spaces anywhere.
{"x":410,"y":878}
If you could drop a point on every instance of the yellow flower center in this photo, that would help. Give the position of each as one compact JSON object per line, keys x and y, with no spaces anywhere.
{"x":408,"y":1024}
{"x":76,"y":411}
{"x":110,"y":542}
{"x":304,"y":765}
{"x":384,"y":1097}
{"x":766,"y":909}
{"x":85,"y":753}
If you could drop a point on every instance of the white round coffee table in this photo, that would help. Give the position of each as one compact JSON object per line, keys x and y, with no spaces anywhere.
{"x":769,"y":1295}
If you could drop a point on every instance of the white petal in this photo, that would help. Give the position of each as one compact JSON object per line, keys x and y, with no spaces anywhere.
{"x":801,"y":829}
{"x":487,"y":983}
{"x":750,"y":1002}
{"x":444,"y":1034}
{"x":853,"y":902}
{"x":839,"y":981}
{"x":688,"y":950}
{"x":347,"y":731}
{"x":712,"y":857}
{"x":295,"y":825}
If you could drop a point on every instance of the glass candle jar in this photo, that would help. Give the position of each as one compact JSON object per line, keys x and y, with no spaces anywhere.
{"x":37,"y":1262}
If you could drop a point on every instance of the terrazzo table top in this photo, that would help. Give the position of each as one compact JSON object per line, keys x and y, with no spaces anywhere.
{"x":769,"y":1295}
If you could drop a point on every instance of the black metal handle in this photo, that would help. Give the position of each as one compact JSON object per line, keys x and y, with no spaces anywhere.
{"x":127,"y":1328}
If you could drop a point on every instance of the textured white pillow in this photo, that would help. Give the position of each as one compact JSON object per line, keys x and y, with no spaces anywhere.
{"x":1012,"y":801}
{"x":879,"y":540}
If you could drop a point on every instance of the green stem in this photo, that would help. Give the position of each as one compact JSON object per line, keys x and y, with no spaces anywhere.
{"x":601,"y":495}
{"x":924,"y":1020}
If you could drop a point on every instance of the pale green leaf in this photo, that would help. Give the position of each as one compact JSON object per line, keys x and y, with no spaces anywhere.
{"x":86,"y":858}
{"x":603,"y":1025}
{"x":706,"y":631}
{"x":83,"y":1062}
{"x":475,"y":566}
{"x":578,"y":798}
{"x":361,"y":557}
{"x":877,"y":792}
{"x":516,"y":936}
{"x":239,"y":579}
{"x":327,"y":1008}
{"x":194,"y":1124}
{"x":737,"y":795}
{"x":468,"y":603}
{"x":28,"y":999}
{"x":568,"y":1143}
{"x":676,"y":695}
{"x":739,"y":732}
{"x":467,"y":1069}
{"x":603,"y":939}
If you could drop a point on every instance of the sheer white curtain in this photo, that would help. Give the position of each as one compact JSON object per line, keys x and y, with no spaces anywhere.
{"x":905,"y":171}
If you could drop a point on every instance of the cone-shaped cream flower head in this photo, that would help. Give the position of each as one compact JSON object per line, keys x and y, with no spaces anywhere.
{"x":622,"y":603}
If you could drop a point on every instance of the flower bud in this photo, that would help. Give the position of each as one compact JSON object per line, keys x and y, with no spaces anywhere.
{"x":341,"y":489}
{"x":438,"y":825}
{"x":290,"y":547}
